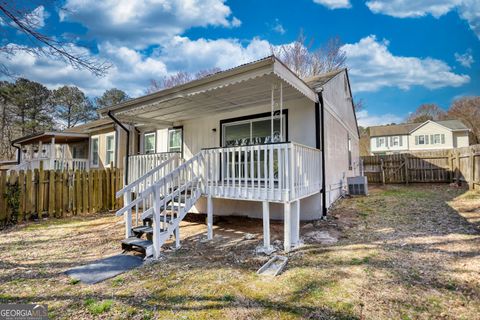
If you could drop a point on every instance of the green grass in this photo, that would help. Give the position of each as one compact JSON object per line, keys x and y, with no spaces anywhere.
{"x":73,"y":281}
{"x":406,"y":193}
{"x":98,"y":307}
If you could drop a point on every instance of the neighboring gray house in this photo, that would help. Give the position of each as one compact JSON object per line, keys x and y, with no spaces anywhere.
{"x":429,"y":135}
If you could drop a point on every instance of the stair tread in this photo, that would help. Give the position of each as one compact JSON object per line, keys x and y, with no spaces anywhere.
{"x":134,"y":241}
{"x":143,"y":229}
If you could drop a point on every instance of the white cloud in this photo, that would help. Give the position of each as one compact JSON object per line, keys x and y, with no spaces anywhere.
{"x":142,"y":23}
{"x":468,"y":10}
{"x":37,"y":17}
{"x":278,"y":27}
{"x":373,"y":66}
{"x":335,"y":4}
{"x":465,"y":59}
{"x":366,"y":120}
{"x":181,"y":53}
{"x":131,"y":70}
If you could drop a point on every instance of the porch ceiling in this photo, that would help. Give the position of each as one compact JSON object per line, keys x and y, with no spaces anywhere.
{"x":242,"y":87}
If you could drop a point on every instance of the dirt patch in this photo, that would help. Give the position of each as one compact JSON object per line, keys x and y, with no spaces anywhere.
{"x":401,"y":253}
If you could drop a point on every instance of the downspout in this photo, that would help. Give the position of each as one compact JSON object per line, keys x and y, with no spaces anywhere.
{"x":18,"y":152}
{"x":110,"y":115}
{"x":322,"y":146}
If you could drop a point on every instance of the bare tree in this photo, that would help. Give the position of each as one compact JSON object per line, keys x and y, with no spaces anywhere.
{"x":467,"y":110}
{"x":429,"y":111}
{"x":306,"y":63}
{"x":179,"y":78}
{"x":19,"y":15}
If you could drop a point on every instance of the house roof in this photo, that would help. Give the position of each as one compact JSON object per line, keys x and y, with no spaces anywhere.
{"x":95,"y":125}
{"x":60,"y":137}
{"x":320,"y":80}
{"x":405,"y":129}
{"x":241,"y":87}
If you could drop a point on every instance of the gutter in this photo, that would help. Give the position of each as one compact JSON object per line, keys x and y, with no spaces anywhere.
{"x":111,"y":116}
{"x":322,"y":146}
{"x":18,"y":151}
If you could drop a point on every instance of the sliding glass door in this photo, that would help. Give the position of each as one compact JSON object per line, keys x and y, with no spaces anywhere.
{"x":254,"y":131}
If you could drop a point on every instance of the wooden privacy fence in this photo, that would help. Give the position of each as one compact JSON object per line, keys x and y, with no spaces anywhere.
{"x":461,"y":164}
{"x":52,"y":193}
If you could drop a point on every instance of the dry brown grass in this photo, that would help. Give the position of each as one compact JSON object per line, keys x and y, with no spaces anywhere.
{"x":404,"y":253}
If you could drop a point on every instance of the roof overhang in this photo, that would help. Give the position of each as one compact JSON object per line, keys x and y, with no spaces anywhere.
{"x":60,"y":137}
{"x":241,"y":87}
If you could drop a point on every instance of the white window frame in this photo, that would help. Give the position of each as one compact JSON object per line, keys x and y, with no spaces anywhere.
{"x":395,"y":141}
{"x":171,"y":130}
{"x":92,"y":152}
{"x":107,"y":162}
{"x":148,"y":134}
{"x":422,"y":138}
{"x":381,"y":142}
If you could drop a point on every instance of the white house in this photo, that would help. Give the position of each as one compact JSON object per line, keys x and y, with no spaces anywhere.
{"x":429,"y":135}
{"x":255,"y":140}
{"x":244,"y":141}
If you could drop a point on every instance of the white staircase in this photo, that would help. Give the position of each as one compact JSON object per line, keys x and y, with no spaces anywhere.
{"x":164,"y":197}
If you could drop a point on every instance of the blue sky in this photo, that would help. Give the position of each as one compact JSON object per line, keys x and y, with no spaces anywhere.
{"x":400,"y":53}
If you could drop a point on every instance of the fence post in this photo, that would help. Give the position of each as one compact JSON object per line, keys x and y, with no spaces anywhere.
{"x":471,"y":182}
{"x":383,"y":170}
{"x":406,"y":161}
{"x":458,"y":173}
{"x":21,"y":185}
{"x":51,"y":192}
{"x":3,"y":202}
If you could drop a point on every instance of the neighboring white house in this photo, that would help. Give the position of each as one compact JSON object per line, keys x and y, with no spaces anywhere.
{"x":429,"y":135}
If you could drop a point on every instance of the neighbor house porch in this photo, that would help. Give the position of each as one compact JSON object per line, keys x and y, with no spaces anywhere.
{"x":53,"y":151}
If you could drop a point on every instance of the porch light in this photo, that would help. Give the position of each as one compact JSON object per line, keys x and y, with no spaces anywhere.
{"x":24,"y":149}
{"x":35,"y":148}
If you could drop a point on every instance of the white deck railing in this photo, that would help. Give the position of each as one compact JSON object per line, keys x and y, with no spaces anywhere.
{"x":138,"y":165}
{"x":268,"y":172}
{"x":52,"y":164}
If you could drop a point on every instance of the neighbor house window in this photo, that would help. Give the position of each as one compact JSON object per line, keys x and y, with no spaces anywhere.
{"x":437,"y":138}
{"x":175,"y":140}
{"x":110,"y":149}
{"x":394,"y":141}
{"x":349,"y":153}
{"x":149,"y":142}
{"x":380,"y":142}
{"x":421,"y":139}
{"x":95,"y":151}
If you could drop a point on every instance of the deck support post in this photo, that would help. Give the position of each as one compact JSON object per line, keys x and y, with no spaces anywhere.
{"x":266,"y":227}
{"x":291,"y":225}
{"x":177,"y":237}
{"x":127,"y":199}
{"x":287,"y":229}
{"x":156,"y":223}
{"x":295,"y":216}
{"x":209,"y":217}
